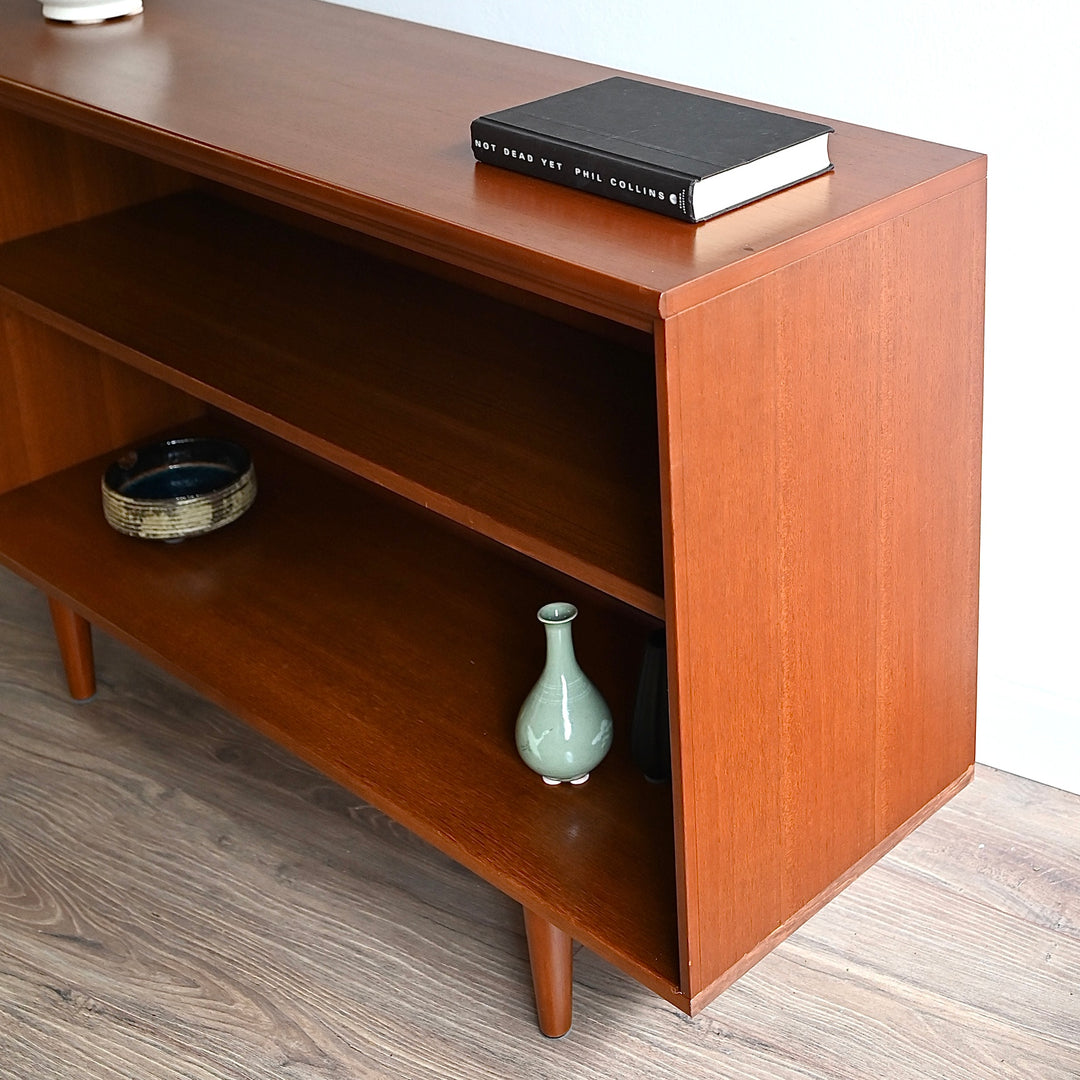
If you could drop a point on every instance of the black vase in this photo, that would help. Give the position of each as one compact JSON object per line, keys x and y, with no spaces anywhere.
{"x":650,"y":741}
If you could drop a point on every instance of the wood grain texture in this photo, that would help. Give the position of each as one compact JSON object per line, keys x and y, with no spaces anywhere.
{"x":823,"y":428}
{"x":181,"y":899}
{"x":75,"y":642}
{"x":551,"y":959}
{"x":523,"y":428}
{"x":323,"y":74}
{"x":53,"y":177}
{"x":61,"y":402}
{"x":817,"y":395}
{"x":392,"y":653}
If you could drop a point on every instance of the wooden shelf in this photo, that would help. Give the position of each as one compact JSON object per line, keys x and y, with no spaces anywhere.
{"x":392,"y":654}
{"x":532,"y":432}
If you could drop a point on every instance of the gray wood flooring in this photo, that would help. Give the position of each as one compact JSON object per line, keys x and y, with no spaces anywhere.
{"x":180,"y":899}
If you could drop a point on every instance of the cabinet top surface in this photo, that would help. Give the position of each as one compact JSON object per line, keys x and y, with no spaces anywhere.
{"x":365,"y":120}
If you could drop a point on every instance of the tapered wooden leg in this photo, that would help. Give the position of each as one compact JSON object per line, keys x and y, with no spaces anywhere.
{"x":552,"y":958}
{"x":76,"y":649}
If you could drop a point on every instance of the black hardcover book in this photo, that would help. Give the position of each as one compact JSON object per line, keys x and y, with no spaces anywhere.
{"x":681,"y":154}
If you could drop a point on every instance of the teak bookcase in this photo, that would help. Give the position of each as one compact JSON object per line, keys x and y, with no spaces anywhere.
{"x":469,"y":393}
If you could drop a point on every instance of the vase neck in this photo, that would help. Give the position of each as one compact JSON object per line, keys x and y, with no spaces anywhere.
{"x":560,"y":647}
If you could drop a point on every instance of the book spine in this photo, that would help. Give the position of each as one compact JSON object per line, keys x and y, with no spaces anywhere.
{"x":659,"y":190}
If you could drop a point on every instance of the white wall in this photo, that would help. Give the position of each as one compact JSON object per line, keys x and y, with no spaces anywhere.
{"x":997,"y":76}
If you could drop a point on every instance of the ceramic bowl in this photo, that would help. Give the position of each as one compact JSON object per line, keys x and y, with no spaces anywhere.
{"x":178,"y":488}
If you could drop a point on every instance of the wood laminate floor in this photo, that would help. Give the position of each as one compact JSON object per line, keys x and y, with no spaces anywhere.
{"x":180,"y":899}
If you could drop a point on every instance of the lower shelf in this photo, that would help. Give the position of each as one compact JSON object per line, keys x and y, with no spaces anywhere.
{"x":392,"y":653}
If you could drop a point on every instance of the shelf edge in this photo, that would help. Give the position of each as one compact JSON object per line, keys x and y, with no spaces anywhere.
{"x":445,"y":241}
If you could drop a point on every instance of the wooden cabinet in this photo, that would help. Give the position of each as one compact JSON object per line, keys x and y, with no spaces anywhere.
{"x":468,"y":393}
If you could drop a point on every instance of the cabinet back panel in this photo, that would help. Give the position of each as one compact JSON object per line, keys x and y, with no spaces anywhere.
{"x":60,"y":401}
{"x":53,"y":176}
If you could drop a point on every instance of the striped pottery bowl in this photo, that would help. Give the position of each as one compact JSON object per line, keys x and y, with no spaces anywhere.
{"x":178,"y":488}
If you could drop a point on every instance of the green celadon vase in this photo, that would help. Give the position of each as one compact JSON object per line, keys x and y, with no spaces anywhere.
{"x":564,"y":727}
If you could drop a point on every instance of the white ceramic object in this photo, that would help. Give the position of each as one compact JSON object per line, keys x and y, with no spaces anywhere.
{"x":89,"y":11}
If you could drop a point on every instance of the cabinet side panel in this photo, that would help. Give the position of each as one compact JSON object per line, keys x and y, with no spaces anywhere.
{"x":823,"y":468}
{"x":929,"y":492}
{"x":60,"y":401}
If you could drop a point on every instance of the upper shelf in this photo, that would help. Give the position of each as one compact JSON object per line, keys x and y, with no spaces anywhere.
{"x":533,"y":432}
{"x":365,"y":120}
